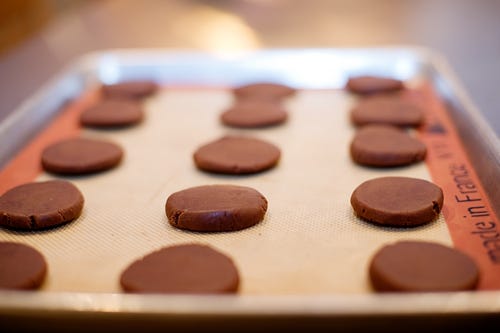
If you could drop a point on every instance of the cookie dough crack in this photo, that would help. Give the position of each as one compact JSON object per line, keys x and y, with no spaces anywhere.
{"x":33,"y":224}
{"x":176,"y":216}
{"x":435,"y":207}
{"x":61,"y":215}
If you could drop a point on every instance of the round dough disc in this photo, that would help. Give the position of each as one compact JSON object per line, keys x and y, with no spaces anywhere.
{"x":236,"y":155}
{"x":264,"y":90}
{"x":416,"y":266}
{"x":254,"y":114}
{"x":40,"y":205}
{"x":81,"y":156}
{"x":397,"y":201}
{"x":387,"y":109}
{"x":112,"y":113}
{"x":213,"y":208}
{"x":367,"y":84}
{"x":21,"y":266}
{"x":130,"y":89}
{"x":192,"y":269}
{"x":385,"y":146}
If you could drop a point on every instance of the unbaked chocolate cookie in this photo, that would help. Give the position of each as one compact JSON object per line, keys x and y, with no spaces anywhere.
{"x":81,"y":156}
{"x":214,"y":208}
{"x":416,"y":266}
{"x":21,"y":266}
{"x":236,"y":155}
{"x":367,"y":84}
{"x":397,"y":201}
{"x":387,"y":109}
{"x":130,"y":89}
{"x":40,"y":205}
{"x":385,"y":146}
{"x":254,"y":114}
{"x":264,"y":90}
{"x":113,"y":113}
{"x":191,"y":269}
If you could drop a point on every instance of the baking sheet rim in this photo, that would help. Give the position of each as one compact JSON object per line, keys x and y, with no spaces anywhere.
{"x":345,"y":304}
{"x":238,"y":305}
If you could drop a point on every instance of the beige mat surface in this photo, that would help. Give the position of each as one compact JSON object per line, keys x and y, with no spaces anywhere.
{"x":310,"y":242}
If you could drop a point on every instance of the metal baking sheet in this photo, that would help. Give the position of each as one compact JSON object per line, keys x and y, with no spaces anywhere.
{"x":314,"y":71}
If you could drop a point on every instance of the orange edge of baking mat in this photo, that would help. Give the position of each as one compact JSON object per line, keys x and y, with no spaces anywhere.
{"x":25,"y":166}
{"x":472,"y":223}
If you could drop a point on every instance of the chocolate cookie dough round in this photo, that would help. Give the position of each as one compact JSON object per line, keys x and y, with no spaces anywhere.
{"x":416,"y":266}
{"x":367,"y":84}
{"x":236,"y":155}
{"x":254,"y":114}
{"x":390,"y":110}
{"x":397,"y":201}
{"x":81,"y":156}
{"x":130,"y":89}
{"x":40,"y":205}
{"x":184,"y":269}
{"x":385,"y":146}
{"x":112,"y":113}
{"x":213,"y":208}
{"x":264,"y":90}
{"x":21,"y":266}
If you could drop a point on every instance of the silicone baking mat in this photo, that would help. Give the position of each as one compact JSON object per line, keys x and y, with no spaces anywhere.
{"x":309,"y":243}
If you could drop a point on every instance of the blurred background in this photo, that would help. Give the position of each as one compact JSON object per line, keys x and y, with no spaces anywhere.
{"x":39,"y":37}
